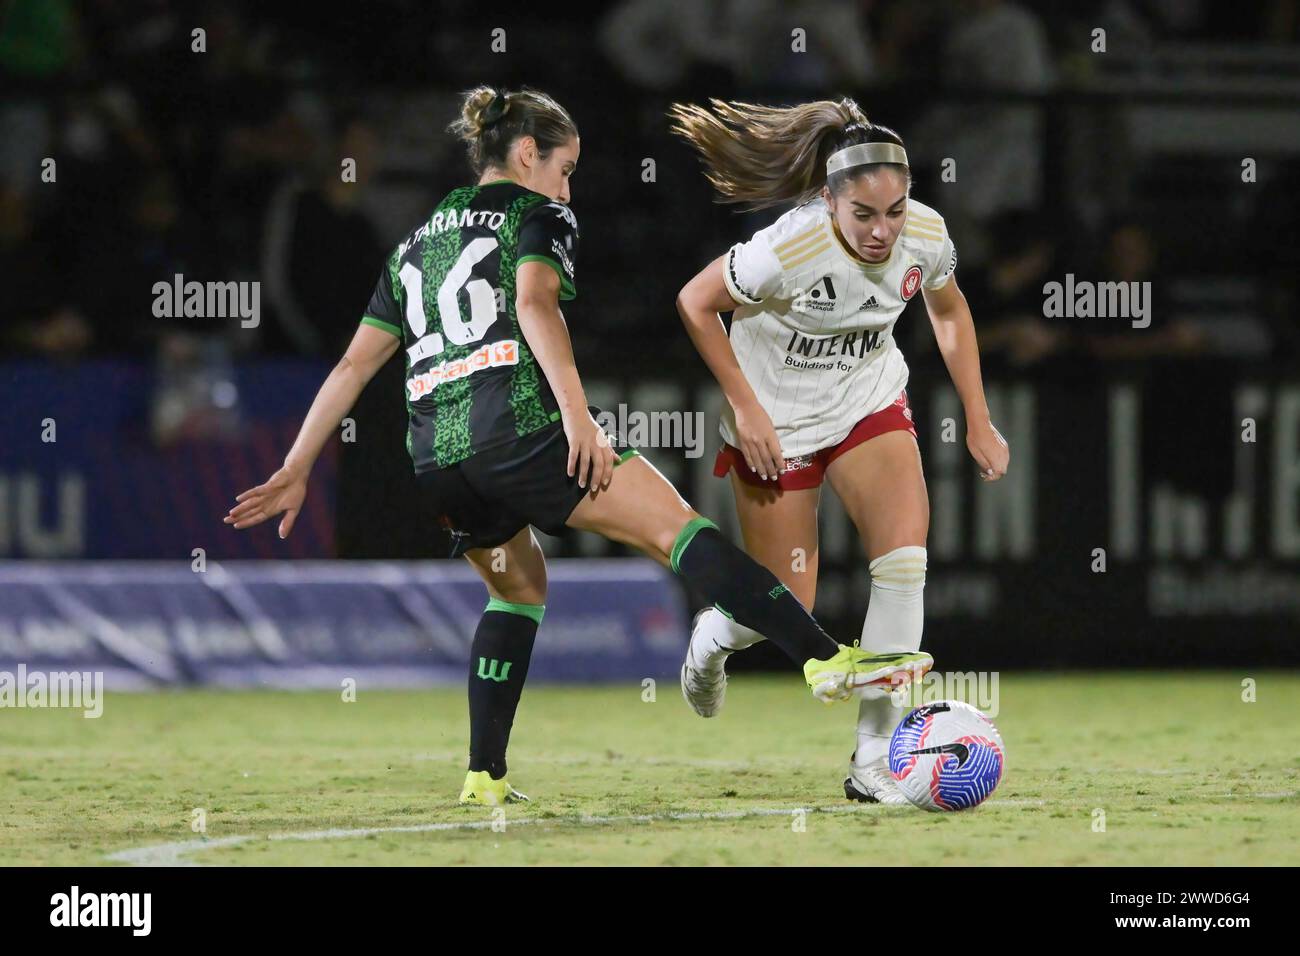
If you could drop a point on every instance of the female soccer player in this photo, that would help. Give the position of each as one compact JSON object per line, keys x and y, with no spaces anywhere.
{"x":501,"y":435}
{"x":814,"y":382}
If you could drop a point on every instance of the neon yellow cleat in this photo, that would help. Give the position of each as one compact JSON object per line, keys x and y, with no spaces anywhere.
{"x":855,"y":672}
{"x":481,"y":789}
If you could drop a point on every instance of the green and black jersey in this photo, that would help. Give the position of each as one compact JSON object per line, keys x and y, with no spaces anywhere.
{"x":448,"y":292}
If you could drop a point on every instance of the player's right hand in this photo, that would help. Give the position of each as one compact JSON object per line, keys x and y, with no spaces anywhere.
{"x":589,"y":451}
{"x":758,"y":441}
{"x":282,"y":492}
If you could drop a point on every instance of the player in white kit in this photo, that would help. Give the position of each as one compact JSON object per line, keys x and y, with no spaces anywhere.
{"x":814,"y":382}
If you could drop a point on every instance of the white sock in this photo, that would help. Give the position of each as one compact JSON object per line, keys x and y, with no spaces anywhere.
{"x":716,"y":636}
{"x":895,"y":616}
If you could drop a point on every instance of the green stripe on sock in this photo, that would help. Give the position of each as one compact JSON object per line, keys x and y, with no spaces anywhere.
{"x":532,"y":611}
{"x":625,"y":456}
{"x":686,"y":536}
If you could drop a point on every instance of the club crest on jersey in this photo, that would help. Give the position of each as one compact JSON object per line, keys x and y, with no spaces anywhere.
{"x":820,"y":298}
{"x":911,"y":282}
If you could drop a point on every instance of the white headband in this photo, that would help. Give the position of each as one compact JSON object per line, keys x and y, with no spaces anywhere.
{"x":864,"y":154}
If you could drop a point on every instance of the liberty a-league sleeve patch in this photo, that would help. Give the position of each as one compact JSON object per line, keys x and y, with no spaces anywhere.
{"x":752,"y":272}
{"x":945,"y":267}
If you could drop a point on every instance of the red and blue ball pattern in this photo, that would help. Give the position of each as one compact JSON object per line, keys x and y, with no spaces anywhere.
{"x":946,"y":756}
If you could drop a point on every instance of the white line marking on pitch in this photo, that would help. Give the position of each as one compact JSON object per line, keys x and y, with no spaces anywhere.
{"x":175,"y":854}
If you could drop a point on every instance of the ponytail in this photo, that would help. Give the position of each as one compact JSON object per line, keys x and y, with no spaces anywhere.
{"x":761,"y":156}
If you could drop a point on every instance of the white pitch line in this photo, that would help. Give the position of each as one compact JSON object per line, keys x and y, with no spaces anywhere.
{"x":176,"y":854}
{"x":172,"y":854}
{"x":1275,"y":795}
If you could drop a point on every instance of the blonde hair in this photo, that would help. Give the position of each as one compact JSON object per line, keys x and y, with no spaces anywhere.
{"x":762,"y":156}
{"x":491,"y":120}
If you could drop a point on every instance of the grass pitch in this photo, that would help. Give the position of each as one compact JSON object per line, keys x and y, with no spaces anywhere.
{"x":1183,"y":770}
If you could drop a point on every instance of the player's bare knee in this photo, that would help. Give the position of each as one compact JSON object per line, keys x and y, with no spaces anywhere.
{"x":660,"y":545}
{"x":514,"y":572}
{"x":515,"y":585}
{"x":526,"y":594}
{"x":663,"y":537}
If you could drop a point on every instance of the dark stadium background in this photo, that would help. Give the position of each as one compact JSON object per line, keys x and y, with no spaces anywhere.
{"x":1123,"y":165}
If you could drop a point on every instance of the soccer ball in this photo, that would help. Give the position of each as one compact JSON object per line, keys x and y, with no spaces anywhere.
{"x":946,"y":756}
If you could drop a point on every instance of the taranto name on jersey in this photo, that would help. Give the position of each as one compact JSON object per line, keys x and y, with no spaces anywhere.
{"x":448,"y":291}
{"x":814,"y":329}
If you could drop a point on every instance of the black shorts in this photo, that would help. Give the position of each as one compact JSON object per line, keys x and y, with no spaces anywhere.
{"x":490,"y":497}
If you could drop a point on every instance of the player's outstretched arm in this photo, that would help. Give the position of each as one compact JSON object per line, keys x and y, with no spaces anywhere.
{"x":954,"y":330}
{"x":284,"y":491}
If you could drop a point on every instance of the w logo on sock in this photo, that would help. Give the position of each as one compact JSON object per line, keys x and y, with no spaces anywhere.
{"x":491,"y":668}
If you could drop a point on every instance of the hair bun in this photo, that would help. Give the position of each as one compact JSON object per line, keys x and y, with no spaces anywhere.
{"x":488,"y":140}
{"x":496,"y":109}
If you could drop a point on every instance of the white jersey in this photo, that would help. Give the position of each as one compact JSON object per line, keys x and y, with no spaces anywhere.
{"x":814,"y":331}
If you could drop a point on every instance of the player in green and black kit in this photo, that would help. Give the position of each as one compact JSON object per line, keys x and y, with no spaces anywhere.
{"x":501,"y":435}
{"x":475,"y":395}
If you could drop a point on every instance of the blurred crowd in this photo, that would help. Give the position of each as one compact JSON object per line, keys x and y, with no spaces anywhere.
{"x":225,"y":164}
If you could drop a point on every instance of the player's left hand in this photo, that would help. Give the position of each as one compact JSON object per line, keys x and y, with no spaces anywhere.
{"x":989,"y":449}
{"x":283,"y":492}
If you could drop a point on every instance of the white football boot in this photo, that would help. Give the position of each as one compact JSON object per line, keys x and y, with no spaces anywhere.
{"x":704,"y":675}
{"x":873,"y":783}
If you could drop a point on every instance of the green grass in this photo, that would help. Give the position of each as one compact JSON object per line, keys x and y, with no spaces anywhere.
{"x":1185,"y":772}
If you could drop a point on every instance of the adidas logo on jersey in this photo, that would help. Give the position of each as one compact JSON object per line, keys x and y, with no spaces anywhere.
{"x":871,"y":303}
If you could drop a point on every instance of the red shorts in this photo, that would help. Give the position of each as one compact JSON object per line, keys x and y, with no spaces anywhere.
{"x":808,"y":471}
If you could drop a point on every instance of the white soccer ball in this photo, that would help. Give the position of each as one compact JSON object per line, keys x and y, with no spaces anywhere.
{"x":946,"y":756}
